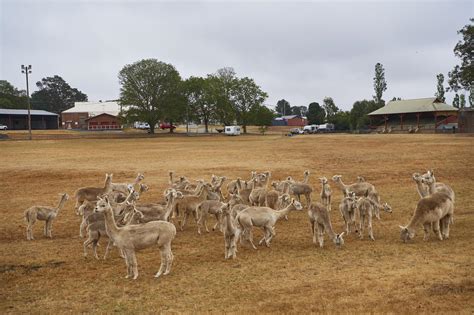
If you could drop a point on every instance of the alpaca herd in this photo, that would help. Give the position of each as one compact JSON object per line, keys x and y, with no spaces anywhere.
{"x":114,"y":211}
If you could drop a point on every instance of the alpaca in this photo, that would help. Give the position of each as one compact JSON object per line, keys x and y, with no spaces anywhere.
{"x":230,"y":232}
{"x":158,"y":212}
{"x":86,"y":209}
{"x":365,"y":206}
{"x":91,"y":193}
{"x":124,"y":188}
{"x":204,"y":209}
{"x":282,"y":202}
{"x":358,"y":188}
{"x":321,"y":222}
{"x":131,"y":238}
{"x":433,"y":210}
{"x":422,"y":189}
{"x":43,"y":213}
{"x":192,"y":189}
{"x":244,"y":189}
{"x":217,"y":186}
{"x":233,"y":185}
{"x":265,"y":218}
{"x":299,"y":189}
{"x":325,"y":193}
{"x":306,"y":177}
{"x":429,"y":180}
{"x":188,"y":204}
{"x":348,"y":207}
{"x":360,"y":179}
{"x":177,"y":184}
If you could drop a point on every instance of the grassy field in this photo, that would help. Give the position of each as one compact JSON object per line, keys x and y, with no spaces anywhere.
{"x":51,"y":276}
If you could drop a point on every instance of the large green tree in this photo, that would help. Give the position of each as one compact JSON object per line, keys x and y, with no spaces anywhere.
{"x":440,"y":88}
{"x":247,"y":95}
{"x":200,"y":100}
{"x":316,"y":114}
{"x":380,"y":85}
{"x":342,"y":120}
{"x":221,"y":86}
{"x":283,"y":107}
{"x":462,"y":76}
{"x":11,"y":97}
{"x":359,"y":111}
{"x":151,"y":91}
{"x":330,"y":108}
{"x":299,"y":110}
{"x":55,"y":95}
{"x":262,"y":116}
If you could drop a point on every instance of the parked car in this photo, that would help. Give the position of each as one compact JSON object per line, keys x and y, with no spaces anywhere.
{"x":3,"y":127}
{"x":296,"y":131}
{"x":166,"y":125}
{"x":141,"y":125}
{"x":232,"y":130}
{"x":310,"y":129}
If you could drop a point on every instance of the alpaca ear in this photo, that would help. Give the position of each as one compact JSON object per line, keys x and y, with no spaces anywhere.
{"x":340,"y":235}
{"x":401,"y":227}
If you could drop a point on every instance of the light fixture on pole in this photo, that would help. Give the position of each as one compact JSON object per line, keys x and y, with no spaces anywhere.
{"x":27,"y":70}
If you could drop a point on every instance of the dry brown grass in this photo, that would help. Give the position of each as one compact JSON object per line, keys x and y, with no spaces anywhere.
{"x":51,"y":276}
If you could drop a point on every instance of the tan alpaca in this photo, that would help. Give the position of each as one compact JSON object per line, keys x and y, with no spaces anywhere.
{"x":132,"y":238}
{"x":320,"y":223}
{"x":358,"y":188}
{"x":180,"y":184}
{"x":360,"y":179}
{"x":158,"y":212}
{"x":423,"y":190}
{"x":204,"y":209}
{"x":433,"y":210}
{"x":271,"y":197}
{"x":365,"y":208}
{"x":188,"y":204}
{"x":265,"y":218}
{"x":430,"y":181}
{"x":299,"y":189}
{"x":244,"y":189}
{"x":43,"y":213}
{"x":92,"y":193}
{"x":325,"y":193}
{"x":217,"y":186}
{"x":125,"y":188}
{"x":230,"y":232}
{"x":348,"y":207}
{"x":232,"y":185}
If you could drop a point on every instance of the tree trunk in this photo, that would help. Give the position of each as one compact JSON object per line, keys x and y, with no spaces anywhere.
{"x":171,"y":128}
{"x":245,"y":128}
{"x":206,"y":125}
{"x":152,"y":128}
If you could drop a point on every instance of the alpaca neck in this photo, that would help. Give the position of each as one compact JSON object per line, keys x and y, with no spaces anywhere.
{"x":110,"y":225}
{"x":284,"y":212}
{"x":169,"y":207}
{"x":421,"y":189}
{"x":306,"y":178}
{"x":432,"y":186}
{"x":341,"y":185}
{"x":108,"y":184}
{"x":329,"y":230}
{"x":229,"y":222}
{"x":170,"y":178}
{"x":137,"y":180}
{"x":61,"y":204}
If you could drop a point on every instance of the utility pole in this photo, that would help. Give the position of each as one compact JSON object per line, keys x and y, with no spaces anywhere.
{"x":27,"y":70}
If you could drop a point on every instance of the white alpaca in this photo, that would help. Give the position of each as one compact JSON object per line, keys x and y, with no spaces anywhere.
{"x":320,"y":223}
{"x":43,"y":213}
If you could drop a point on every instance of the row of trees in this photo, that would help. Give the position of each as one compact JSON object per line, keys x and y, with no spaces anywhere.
{"x":153,"y":91}
{"x":54,"y":95}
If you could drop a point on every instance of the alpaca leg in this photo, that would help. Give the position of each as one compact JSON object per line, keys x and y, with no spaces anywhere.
{"x":76,"y":207}
{"x":314,"y":230}
{"x":445,"y":226}
{"x":320,"y":235}
{"x":134,"y":266}
{"x":94,"y":248}
{"x":272,"y":233}
{"x":185,"y":217}
{"x":251,"y":239}
{"x":361,"y":226}
{"x":329,"y":203}
{"x":49,"y":226}
{"x":109,"y":245}
{"x":233,"y":246}
{"x":436,"y":230}
{"x":164,"y":258}
{"x":426,"y":229}
{"x":128,"y":261}
{"x":45,"y":230}
{"x":202,"y":218}
{"x":87,"y":243}
{"x":82,"y":227}
{"x":29,"y":229}
{"x":169,"y":261}
{"x":371,"y":232}
{"x":265,"y":235}
{"x":227,"y":247}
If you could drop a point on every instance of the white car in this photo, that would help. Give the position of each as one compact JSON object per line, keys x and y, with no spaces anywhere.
{"x":3,"y":127}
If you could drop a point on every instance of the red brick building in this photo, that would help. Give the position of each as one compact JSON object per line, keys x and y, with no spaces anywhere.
{"x":290,"y":120}
{"x":103,"y":122}
{"x":77,"y":116}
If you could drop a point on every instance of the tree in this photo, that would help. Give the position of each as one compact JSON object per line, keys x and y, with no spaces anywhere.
{"x":262,"y":116}
{"x":330,"y":108}
{"x":316,"y":114}
{"x":283,"y":107}
{"x":462,"y":76}
{"x":456,"y":100}
{"x":462,"y":101}
{"x":341,"y":120}
{"x":221,"y":86}
{"x":247,"y":96}
{"x":150,"y":88}
{"x":199,"y":100}
{"x":440,"y":88}
{"x":299,"y":110}
{"x":359,"y":111}
{"x":380,"y":85}
{"x":55,"y":95}
{"x":11,"y":97}
{"x":396,"y":99}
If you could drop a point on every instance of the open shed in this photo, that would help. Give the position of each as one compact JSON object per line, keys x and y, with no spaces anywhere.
{"x":17,"y":119}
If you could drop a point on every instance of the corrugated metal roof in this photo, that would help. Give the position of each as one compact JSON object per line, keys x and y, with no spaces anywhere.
{"x":6,"y":111}
{"x":95,"y":108}
{"x":418,"y":105}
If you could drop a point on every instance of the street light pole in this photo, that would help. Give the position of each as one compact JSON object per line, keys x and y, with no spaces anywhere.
{"x":27,"y":70}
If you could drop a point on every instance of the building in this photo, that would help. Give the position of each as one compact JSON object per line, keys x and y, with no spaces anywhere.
{"x":17,"y":119}
{"x":466,"y":120}
{"x":77,"y":116}
{"x":103,"y":122}
{"x":427,"y":114}
{"x":290,"y":120}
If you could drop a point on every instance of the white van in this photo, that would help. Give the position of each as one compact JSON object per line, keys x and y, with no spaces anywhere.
{"x":232,"y":130}
{"x":310,"y":129}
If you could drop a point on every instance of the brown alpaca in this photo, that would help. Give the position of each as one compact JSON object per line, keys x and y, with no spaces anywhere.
{"x":434,"y":210}
{"x":188,"y":204}
{"x":92,"y":193}
{"x":43,"y":213}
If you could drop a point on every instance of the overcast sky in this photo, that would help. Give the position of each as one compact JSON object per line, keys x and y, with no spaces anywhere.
{"x":300,"y":51}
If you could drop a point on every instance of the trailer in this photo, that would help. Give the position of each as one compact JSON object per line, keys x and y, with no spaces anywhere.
{"x":232,"y":130}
